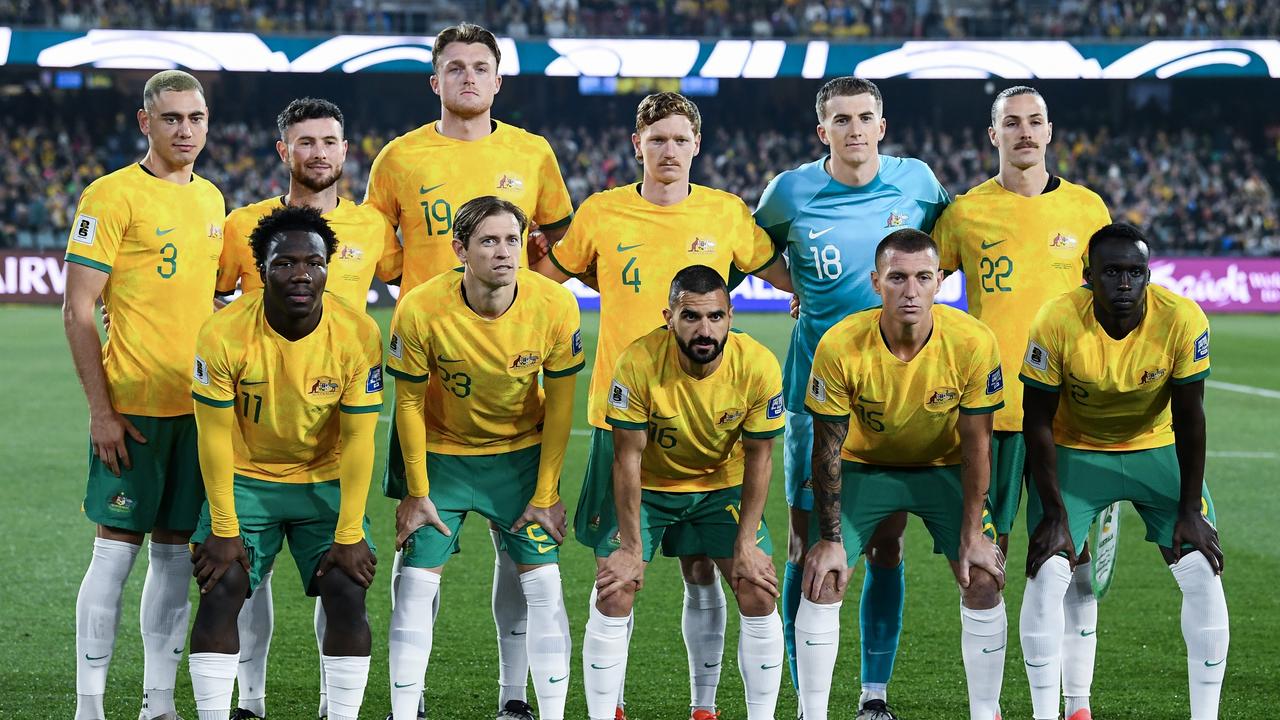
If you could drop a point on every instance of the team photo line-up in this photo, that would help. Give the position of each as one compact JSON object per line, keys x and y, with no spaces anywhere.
{"x":224,"y":428}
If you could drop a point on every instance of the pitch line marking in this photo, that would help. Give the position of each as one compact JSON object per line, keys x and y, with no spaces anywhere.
{"x":1247,"y":454}
{"x":1244,"y":389}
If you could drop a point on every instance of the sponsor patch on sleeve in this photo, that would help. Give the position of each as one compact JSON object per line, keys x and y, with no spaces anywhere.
{"x":817,"y":388}
{"x":201,"y":373}
{"x":577,"y":342}
{"x":396,"y":348}
{"x":1037,"y":357}
{"x":619,"y":396}
{"x":1202,"y":346}
{"x":995,"y":381}
{"x":86,"y":226}
{"x":775,"y":407}
{"x":374,"y":383}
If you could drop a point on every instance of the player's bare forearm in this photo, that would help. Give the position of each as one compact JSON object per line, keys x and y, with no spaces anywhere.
{"x":355,"y":470}
{"x":83,"y":288}
{"x":755,"y":488}
{"x":411,"y":430}
{"x":776,"y":274}
{"x":828,"y":437}
{"x":628,"y":445}
{"x":1187,"y":406}
{"x":1039,"y":407}
{"x":556,"y":428}
{"x":975,"y":468}
{"x":549,"y":269}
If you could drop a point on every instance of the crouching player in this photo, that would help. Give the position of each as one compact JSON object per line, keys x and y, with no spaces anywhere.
{"x":480,"y":435}
{"x":288,"y":385}
{"x":694,"y":409}
{"x":1114,"y":410}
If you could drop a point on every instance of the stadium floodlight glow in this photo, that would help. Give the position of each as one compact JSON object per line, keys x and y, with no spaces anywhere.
{"x":623,"y":58}
{"x":1167,"y":58}
{"x":148,"y":49}
{"x":354,"y":53}
{"x":1009,"y":60}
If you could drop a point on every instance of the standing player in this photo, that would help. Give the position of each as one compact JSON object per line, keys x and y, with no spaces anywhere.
{"x":1114,"y":403}
{"x":695,"y":409}
{"x":922,"y":380}
{"x":418,"y":182}
{"x":829,"y":215}
{"x":288,"y":385}
{"x":478,"y":436}
{"x":146,"y":239}
{"x":634,"y":239}
{"x":1020,"y":238}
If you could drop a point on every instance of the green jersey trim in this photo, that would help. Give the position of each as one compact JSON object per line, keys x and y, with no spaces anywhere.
{"x":211,"y":402}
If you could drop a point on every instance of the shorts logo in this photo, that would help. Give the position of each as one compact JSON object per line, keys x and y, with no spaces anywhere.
{"x":619,"y":396}
{"x":896,"y":219}
{"x":201,"y":372}
{"x":1037,"y":357}
{"x":510,"y":182}
{"x":774,"y":410}
{"x":120,"y":503}
{"x":86,"y":226}
{"x":1149,"y":376}
{"x":942,"y":396}
{"x":323,"y":386}
{"x":995,"y":381}
{"x":396,"y":348}
{"x":346,"y":252}
{"x":817,"y":388}
{"x":729,"y":416}
{"x":1202,"y":346}
{"x":373,"y":383}
{"x":702,"y":246}
{"x":576,"y":345}
{"x":528,"y":358}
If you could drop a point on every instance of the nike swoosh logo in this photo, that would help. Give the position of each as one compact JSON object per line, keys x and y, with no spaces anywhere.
{"x":443,"y":359}
{"x":424,"y":190}
{"x":91,"y":659}
{"x":404,"y":685}
{"x":245,"y":661}
{"x":559,"y":679}
{"x":545,"y":548}
{"x":1087,"y":633}
{"x":1031,"y":664}
{"x":710,"y":665}
{"x":811,"y":643}
{"x":604,"y":667}
{"x":177,"y":651}
{"x":770,"y":667}
{"x":988,"y":246}
{"x":988,"y":651}
{"x":253,"y":382}
{"x":516,"y":632}
{"x":1214,"y":664}
{"x":162,"y":233}
{"x":815,"y":235}
{"x":625,"y":248}
{"x":881,"y":652}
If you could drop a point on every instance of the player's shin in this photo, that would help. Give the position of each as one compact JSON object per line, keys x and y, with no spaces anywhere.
{"x":880,"y":618}
{"x":510,"y":617}
{"x":548,"y":643}
{"x":604,"y":662}
{"x":983,"y":636}
{"x":164,"y":612}
{"x":410,"y":638}
{"x":703,"y":622}
{"x":321,"y":622}
{"x":792,"y":576}
{"x":255,"y":625}
{"x":1079,"y":638}
{"x":212,"y":681}
{"x":1040,"y":626}
{"x":1206,"y":630}
{"x":760,"y":657}
{"x":817,"y":641}
{"x":97,"y":616}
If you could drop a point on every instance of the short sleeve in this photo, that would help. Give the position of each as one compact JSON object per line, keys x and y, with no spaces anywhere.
{"x":408,"y":353}
{"x":1042,"y":363}
{"x":235,"y":245}
{"x":774,"y":213}
{"x":381,"y":191}
{"x":765,"y":413}
{"x":628,"y":405}
{"x":934,"y":205}
{"x":1191,"y":354}
{"x":754,"y":250}
{"x":949,"y":257}
{"x":555,"y":207}
{"x":827,"y":396}
{"x":984,"y":385}
{"x":566,"y":356}
{"x":363,"y":391}
{"x":575,"y":252}
{"x":213,"y":380}
{"x":102,"y":219}
{"x":391,"y":265}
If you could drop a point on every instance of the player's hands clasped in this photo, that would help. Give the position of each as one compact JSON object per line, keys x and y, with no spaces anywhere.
{"x":356,"y":560}
{"x":979,"y":551}
{"x":552,"y":519}
{"x":825,"y":559}
{"x":107,"y":433}
{"x":625,"y":567}
{"x":752,"y":565}
{"x":1051,"y":536}
{"x":413,"y":513}
{"x":213,"y":557}
{"x":1192,"y":528}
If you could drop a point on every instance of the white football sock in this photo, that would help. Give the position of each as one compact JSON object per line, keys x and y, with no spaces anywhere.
{"x":1206,"y":630}
{"x":255,"y":623}
{"x":549,"y":644}
{"x":163,"y":615}
{"x":410,"y":639}
{"x":346,"y":677}
{"x":511,"y":618}
{"x":703,"y":621}
{"x":983,"y":636}
{"x":760,"y":660}
{"x":1079,"y":638}
{"x":604,"y":661}
{"x":1040,"y":627}
{"x":817,"y":641}
{"x":97,"y":615}
{"x":213,"y":677}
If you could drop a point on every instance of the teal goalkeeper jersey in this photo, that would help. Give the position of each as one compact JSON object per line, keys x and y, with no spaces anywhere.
{"x":829,"y":231}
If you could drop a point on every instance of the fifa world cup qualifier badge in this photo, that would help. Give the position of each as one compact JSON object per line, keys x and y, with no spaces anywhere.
{"x":995,"y":381}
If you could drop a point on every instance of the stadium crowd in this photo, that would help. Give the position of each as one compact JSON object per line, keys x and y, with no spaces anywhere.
{"x":710,"y":18}
{"x":1197,"y":193}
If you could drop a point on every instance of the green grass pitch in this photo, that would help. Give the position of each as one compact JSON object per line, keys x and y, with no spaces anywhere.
{"x":1141,"y":670}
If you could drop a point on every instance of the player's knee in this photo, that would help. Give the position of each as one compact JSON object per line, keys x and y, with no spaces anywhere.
{"x":755,"y":601}
{"x":983,"y":592}
{"x":828,"y":593}
{"x":343,"y":598}
{"x":617,"y":604}
{"x":698,"y":569}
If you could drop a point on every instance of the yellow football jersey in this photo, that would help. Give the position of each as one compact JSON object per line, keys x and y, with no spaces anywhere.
{"x":367,"y":246}
{"x":694,"y":425}
{"x":287,"y":395}
{"x":159,"y":242}
{"x":483,"y":395}
{"x":907,"y":412}
{"x":1017,"y":253}
{"x":1115,"y":393}
{"x":636,"y":248}
{"x":420,"y":179}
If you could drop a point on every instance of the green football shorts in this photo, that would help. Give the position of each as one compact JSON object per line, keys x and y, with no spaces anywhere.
{"x":394,"y":484}
{"x":710,"y":517}
{"x":871,"y":493}
{"x":269,"y":512}
{"x":162,"y":490}
{"x":498,"y":487}
{"x":1008,"y":470}
{"x":1091,"y":480}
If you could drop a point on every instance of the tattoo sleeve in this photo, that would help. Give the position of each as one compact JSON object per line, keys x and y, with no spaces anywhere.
{"x":827,"y":439}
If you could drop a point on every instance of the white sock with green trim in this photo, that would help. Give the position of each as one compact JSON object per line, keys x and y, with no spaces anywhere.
{"x":410,"y":637}
{"x":97,"y":617}
{"x":1079,"y":638}
{"x":817,"y":643}
{"x":548,"y":643}
{"x":163,"y":615}
{"x":604,"y":662}
{"x":702,"y":623}
{"x":255,"y":624}
{"x":983,"y":637}
{"x":760,"y":659}
{"x":1040,"y":627}
{"x":510,"y":616}
{"x":1206,"y":630}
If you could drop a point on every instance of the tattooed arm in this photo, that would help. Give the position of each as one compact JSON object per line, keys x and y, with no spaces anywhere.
{"x":827,"y":557}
